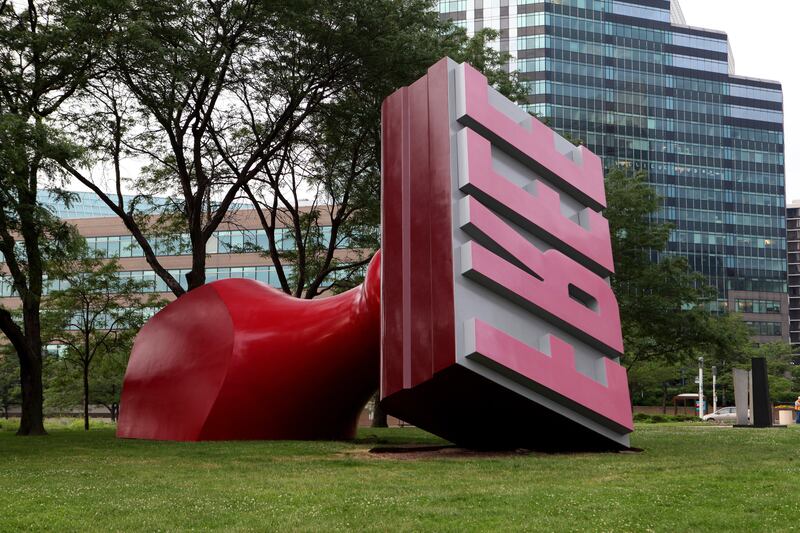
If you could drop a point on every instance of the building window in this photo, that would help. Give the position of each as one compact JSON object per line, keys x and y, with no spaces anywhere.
{"x":757,"y":306}
{"x":765,"y":329}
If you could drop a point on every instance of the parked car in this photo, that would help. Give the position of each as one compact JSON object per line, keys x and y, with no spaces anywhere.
{"x":726,"y":414}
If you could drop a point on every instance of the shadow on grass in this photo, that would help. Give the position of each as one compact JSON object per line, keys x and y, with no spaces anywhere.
{"x":413,"y":443}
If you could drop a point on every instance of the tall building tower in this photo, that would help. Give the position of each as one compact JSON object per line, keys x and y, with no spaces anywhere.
{"x":646,"y":91}
{"x":793,"y":237}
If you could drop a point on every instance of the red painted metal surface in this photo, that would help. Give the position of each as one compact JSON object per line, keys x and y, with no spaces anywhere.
{"x":237,"y":359}
{"x":417,"y":299}
{"x":462,"y":240}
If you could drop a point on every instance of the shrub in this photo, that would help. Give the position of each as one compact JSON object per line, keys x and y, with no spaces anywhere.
{"x":657,"y":419}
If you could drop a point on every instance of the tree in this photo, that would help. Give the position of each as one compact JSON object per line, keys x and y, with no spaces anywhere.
{"x":64,"y":382}
{"x":325,"y":187}
{"x":263,"y":100}
{"x":9,"y":380}
{"x":62,"y":385}
{"x":219,"y":88}
{"x":107,"y":377}
{"x":783,"y":374}
{"x":653,"y":382}
{"x":96,"y":316}
{"x":662,"y":302}
{"x":47,"y":51}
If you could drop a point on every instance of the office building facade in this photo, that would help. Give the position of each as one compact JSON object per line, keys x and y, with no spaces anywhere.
{"x":648,"y":92}
{"x":235,"y":250}
{"x":793,"y":245}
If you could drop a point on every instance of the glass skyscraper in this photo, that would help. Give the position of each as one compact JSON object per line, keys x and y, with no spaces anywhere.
{"x":793,"y":236}
{"x":646,"y":91}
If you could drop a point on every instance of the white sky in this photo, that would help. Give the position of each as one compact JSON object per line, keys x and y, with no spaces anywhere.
{"x":764,"y":36}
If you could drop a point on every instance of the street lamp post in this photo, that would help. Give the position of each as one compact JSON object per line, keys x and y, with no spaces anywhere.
{"x":700,"y":409}
{"x":714,"y":387}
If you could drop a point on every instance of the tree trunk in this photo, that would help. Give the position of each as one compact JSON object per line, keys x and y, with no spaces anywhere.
{"x":28,"y":345}
{"x":379,"y":418}
{"x":197,"y":276}
{"x":664,"y":400}
{"x":86,"y":397}
{"x":30,"y":373}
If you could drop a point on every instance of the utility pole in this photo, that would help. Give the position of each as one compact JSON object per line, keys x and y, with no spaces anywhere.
{"x":714,"y":387}
{"x":700,"y":409}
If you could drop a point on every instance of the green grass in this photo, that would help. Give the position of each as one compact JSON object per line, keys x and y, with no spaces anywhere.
{"x":689,"y":478}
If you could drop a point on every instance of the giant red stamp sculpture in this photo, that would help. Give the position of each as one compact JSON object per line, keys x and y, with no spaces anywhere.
{"x":237,"y":359}
{"x":491,"y":321}
{"x":499,"y":324}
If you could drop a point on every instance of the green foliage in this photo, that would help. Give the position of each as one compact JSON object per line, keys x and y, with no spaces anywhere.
{"x":95,"y":319}
{"x":660,"y":419}
{"x":655,"y":382}
{"x":279,"y":102}
{"x":336,"y":154}
{"x":783,"y":373}
{"x":64,"y":388}
{"x":10,"y":391}
{"x":478,"y":52}
{"x":782,"y":389}
{"x":48,"y":51}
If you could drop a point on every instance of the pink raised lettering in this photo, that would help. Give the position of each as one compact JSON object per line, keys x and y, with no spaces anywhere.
{"x":577,"y":170}
{"x":548,"y":283}
{"x":538,"y":212}
{"x":553,"y":367}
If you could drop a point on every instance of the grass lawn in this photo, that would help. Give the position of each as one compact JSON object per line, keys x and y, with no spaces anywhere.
{"x":689,"y":478}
